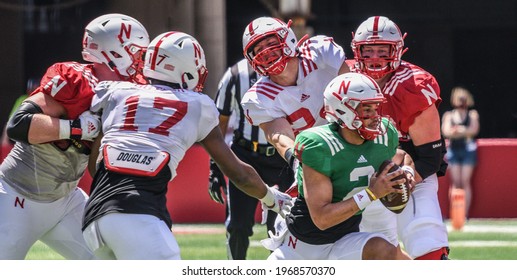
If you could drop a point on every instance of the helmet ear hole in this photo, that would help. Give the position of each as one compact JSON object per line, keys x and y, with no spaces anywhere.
{"x":115,"y":54}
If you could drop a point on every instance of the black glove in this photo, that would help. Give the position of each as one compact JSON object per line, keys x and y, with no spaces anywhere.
{"x":216,"y":183}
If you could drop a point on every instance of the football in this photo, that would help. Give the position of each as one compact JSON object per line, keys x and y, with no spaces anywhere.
{"x":396,"y":202}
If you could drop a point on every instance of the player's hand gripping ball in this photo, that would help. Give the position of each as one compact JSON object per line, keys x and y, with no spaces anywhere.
{"x":396,"y":202}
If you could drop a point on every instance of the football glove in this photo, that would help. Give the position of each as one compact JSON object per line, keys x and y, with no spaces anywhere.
{"x":86,"y":127}
{"x":277,"y":201}
{"x":216,"y":183}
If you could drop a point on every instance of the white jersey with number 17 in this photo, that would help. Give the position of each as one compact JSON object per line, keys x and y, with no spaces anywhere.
{"x":151,"y":118}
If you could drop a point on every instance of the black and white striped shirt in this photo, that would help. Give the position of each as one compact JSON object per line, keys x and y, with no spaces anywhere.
{"x":234,"y":84}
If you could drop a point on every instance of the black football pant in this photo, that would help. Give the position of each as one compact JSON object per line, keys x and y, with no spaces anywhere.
{"x":241,"y":207}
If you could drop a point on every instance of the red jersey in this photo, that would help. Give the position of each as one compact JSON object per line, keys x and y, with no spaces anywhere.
{"x":409,"y":92}
{"x":72,"y":84}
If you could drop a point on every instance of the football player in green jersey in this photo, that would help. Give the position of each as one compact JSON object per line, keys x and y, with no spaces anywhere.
{"x":337,"y":177}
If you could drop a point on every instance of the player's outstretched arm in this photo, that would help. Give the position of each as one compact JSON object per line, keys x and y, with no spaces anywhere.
{"x":243,"y":174}
{"x":216,"y":180}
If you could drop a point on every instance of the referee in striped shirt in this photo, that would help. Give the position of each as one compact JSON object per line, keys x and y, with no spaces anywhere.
{"x":250,"y":145}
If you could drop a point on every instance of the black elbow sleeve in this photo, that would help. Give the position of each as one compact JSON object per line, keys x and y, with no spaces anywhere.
{"x":429,"y":158}
{"x":19,"y":123}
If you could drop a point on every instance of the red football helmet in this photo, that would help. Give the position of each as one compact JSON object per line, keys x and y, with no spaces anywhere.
{"x":266,"y":62}
{"x":378,"y":30}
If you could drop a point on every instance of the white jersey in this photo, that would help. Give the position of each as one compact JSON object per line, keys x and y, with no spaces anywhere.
{"x":152,"y":118}
{"x":319,"y":61}
{"x":232,"y":87}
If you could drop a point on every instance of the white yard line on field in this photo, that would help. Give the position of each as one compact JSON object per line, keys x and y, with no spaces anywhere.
{"x":486,"y":228}
{"x":197,"y":229}
{"x":480,"y":243}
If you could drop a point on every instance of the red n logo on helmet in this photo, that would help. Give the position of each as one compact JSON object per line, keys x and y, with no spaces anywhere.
{"x":343,"y":87}
{"x":125,"y":31}
{"x":197,"y":52}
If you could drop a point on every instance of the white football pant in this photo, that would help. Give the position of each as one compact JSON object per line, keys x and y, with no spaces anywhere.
{"x":349,"y":247}
{"x":377,"y":218}
{"x":420,"y":225}
{"x":131,"y":237}
{"x":57,"y":224}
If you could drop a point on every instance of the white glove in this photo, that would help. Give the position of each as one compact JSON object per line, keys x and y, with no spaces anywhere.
{"x":90,"y":125}
{"x":86,"y":127}
{"x":280,"y":202}
{"x":275,"y":240}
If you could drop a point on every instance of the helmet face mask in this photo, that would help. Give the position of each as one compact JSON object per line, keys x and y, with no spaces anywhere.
{"x":137,"y":54}
{"x":269,"y":59}
{"x":351,"y":101}
{"x":118,"y":41}
{"x":177,"y":58}
{"x":378,"y":31}
{"x":272,"y":59}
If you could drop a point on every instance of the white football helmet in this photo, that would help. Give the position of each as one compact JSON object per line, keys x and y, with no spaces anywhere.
{"x":178,"y":58}
{"x":118,"y":41}
{"x":265,"y":63}
{"x":378,"y":30}
{"x":342,"y":97}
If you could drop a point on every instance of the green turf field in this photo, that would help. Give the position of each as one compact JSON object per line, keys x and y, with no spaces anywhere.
{"x":480,"y":239}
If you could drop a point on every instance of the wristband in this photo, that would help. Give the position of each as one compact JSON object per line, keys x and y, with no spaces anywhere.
{"x":76,"y":132}
{"x":269,"y":198}
{"x":64,"y":129}
{"x":361,"y":199}
{"x":289,"y":157}
{"x":408,"y":169}
{"x":371,"y":193}
{"x":70,"y":129}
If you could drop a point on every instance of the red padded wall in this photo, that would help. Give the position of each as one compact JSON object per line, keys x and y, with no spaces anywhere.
{"x":494,"y":186}
{"x":494,"y":183}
